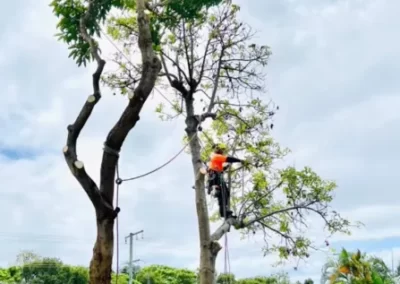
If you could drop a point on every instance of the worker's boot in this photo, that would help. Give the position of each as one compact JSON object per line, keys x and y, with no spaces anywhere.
{"x":229,"y":214}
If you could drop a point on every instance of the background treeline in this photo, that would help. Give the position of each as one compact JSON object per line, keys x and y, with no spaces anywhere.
{"x":344,"y":267}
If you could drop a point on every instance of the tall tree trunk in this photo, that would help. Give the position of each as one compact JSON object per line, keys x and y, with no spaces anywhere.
{"x":101,"y":263}
{"x":208,"y":249}
{"x":102,"y":197}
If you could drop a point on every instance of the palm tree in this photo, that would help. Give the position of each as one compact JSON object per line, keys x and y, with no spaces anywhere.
{"x":356,"y":268}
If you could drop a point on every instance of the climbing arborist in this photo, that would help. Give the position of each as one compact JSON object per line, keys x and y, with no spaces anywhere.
{"x":216,"y":183}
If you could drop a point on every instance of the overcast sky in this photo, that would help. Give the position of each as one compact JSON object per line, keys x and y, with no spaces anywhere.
{"x":333,"y":73}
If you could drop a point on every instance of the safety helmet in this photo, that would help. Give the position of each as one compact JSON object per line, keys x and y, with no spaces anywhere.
{"x":220,"y":148}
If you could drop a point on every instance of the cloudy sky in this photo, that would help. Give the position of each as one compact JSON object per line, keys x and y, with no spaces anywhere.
{"x":332,"y":73}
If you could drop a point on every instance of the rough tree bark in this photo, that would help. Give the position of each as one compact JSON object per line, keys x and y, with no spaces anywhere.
{"x":102,"y":198}
{"x":207,"y":250}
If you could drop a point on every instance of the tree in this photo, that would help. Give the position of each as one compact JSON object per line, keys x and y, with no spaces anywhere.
{"x":27,"y":256}
{"x":280,"y":278}
{"x":224,"y":278}
{"x":164,"y":274}
{"x":50,"y":271}
{"x":10,"y":275}
{"x":214,"y":60}
{"x":135,"y":269}
{"x":78,"y":26}
{"x":53,"y":271}
{"x":398,"y":270}
{"x":356,"y":268}
{"x":308,"y":281}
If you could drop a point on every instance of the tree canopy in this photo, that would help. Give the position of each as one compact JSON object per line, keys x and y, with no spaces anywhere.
{"x":212,"y":68}
{"x":213,"y":64}
{"x":71,"y":12}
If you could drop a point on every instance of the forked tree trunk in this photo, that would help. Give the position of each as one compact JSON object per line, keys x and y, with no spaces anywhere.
{"x":102,"y":197}
{"x":101,"y":263}
{"x":208,"y":249}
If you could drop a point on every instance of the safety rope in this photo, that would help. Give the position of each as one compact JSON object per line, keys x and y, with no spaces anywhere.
{"x":119,"y":180}
{"x":117,"y":225}
{"x":223,"y":189}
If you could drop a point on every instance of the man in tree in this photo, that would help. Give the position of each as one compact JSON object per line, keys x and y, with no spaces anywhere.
{"x":217,"y":186}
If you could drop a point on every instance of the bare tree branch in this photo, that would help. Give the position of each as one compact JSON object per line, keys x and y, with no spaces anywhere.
{"x":216,"y":82}
{"x":176,"y":64}
{"x":70,"y":153}
{"x":186,"y":46}
{"x":166,"y":72}
{"x":218,"y":234}
{"x":204,"y":61}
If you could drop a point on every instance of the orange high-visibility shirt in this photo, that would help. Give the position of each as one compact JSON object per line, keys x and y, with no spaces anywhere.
{"x":217,"y":162}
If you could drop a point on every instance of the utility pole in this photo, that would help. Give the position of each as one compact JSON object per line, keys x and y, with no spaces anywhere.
{"x":130,"y":237}
{"x":134,"y":261}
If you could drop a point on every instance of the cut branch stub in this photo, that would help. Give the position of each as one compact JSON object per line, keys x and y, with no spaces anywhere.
{"x":78,"y":165}
{"x":70,"y":152}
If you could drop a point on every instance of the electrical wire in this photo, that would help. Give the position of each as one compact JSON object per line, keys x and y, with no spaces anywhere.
{"x":163,"y":165}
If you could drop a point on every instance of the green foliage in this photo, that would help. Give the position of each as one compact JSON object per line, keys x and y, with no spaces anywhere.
{"x":226,"y":278}
{"x":281,"y":278}
{"x":178,"y":10}
{"x":346,"y":267}
{"x":156,"y":274}
{"x":217,"y":52}
{"x":271,"y":200}
{"x":53,"y":271}
{"x":123,"y":278}
{"x":10,"y":275}
{"x":159,"y":274}
{"x":356,"y":268}
{"x":308,"y":281}
{"x":70,"y":13}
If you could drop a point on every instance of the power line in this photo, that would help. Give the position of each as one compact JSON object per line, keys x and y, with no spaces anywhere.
{"x":159,"y":167}
{"x":119,"y":181}
{"x":116,"y":47}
